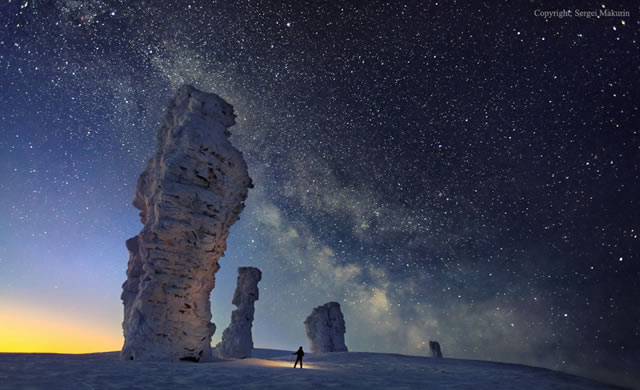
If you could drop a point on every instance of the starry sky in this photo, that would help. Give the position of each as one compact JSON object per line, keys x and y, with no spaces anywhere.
{"x":466,"y":172}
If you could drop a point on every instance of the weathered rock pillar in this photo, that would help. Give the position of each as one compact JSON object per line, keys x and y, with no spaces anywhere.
{"x":237,"y":341}
{"x":325,"y":328}
{"x":190,"y":193}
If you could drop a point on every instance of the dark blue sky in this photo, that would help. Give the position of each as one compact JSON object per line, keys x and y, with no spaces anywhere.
{"x":460,"y":172}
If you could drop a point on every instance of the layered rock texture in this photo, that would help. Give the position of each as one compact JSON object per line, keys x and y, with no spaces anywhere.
{"x":190,"y":193}
{"x":325,"y":328}
{"x":236,"y":339}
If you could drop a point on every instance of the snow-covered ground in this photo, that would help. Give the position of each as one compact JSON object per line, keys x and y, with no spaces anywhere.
{"x":272,"y":369}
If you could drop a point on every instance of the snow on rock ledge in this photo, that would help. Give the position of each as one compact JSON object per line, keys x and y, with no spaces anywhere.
{"x":190,"y":193}
{"x":236,"y":339}
{"x":325,"y":328}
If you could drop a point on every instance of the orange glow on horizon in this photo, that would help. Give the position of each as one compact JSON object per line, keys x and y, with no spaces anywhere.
{"x":38,"y":329}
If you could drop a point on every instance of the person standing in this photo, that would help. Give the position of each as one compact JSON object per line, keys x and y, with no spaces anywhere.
{"x":299,"y":353}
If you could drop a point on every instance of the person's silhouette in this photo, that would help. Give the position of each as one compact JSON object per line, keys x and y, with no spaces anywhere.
{"x":300,"y":354}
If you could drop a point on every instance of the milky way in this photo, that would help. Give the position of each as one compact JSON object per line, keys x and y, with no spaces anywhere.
{"x":460,"y":173}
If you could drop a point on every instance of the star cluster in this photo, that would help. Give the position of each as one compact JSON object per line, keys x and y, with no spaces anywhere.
{"x":460,"y":172}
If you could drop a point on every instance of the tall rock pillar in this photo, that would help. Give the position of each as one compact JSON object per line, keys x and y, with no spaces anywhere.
{"x":190,"y":193}
{"x":236,"y":339}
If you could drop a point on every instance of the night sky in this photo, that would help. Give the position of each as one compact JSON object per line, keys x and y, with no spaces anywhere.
{"x":467,"y":173}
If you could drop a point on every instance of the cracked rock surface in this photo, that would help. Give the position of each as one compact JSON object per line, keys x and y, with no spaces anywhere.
{"x":325,"y":328}
{"x":237,"y":341}
{"x":190,"y":193}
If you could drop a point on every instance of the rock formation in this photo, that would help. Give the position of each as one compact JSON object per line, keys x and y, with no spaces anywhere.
{"x":435,"y":349}
{"x":190,"y":193}
{"x":325,"y":328}
{"x":236,"y":339}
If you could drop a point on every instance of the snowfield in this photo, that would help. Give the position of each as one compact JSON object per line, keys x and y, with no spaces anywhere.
{"x":272,"y":369}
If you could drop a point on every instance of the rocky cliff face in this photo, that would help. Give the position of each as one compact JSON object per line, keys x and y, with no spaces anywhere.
{"x":236,"y":339}
{"x":190,"y":193}
{"x":325,"y":328}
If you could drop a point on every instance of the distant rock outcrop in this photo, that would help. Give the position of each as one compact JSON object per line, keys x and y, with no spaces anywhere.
{"x":325,"y":328}
{"x":435,"y":349}
{"x":236,"y":339}
{"x":190,"y":193}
